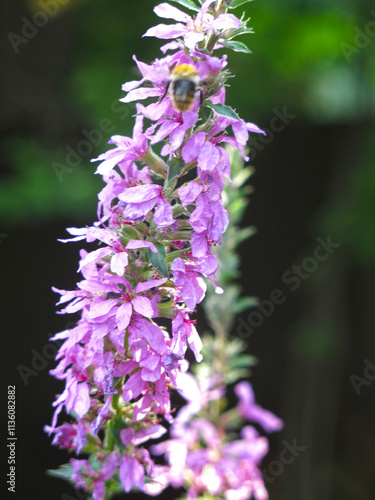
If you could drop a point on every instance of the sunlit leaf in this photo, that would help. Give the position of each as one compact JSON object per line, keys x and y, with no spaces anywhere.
{"x":236,"y":46}
{"x":188,"y":3}
{"x":223,"y":110}
{"x":157,"y":259}
{"x":63,"y":472}
{"x":237,"y":3}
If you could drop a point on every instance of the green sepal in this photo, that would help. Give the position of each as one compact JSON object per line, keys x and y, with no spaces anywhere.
{"x":63,"y":472}
{"x":189,"y":4}
{"x":223,"y":110}
{"x":236,"y":46}
{"x":237,"y":3}
{"x":129,"y":233}
{"x":157,"y":259}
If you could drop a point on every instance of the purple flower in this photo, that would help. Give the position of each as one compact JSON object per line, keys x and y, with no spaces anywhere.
{"x":251,"y":411}
{"x":132,"y":474}
{"x":191,"y":285}
{"x":127,"y":149}
{"x":192,"y":30}
{"x":140,"y":200}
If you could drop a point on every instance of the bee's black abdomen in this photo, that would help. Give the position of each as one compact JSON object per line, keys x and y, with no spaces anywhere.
{"x":183,"y":94}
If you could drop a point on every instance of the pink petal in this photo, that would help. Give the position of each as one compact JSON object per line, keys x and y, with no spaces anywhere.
{"x":138,"y":194}
{"x":168,"y":12}
{"x":151,"y":432}
{"x":251,"y":127}
{"x":93,"y":256}
{"x":126,"y":87}
{"x":140,"y":93}
{"x":146,"y":285}
{"x":127,"y":436}
{"x":82,"y":400}
{"x":133,"y":387}
{"x":208,"y":157}
{"x":119,"y":262}
{"x":193,"y":146}
{"x":165,"y":31}
{"x":170,"y":46}
{"x":165,"y":129}
{"x":223,"y":22}
{"x":123,"y":315}
{"x":163,"y":214}
{"x":189,"y":193}
{"x":136,"y":244}
{"x":102,"y":308}
{"x":131,"y":474}
{"x":143,"y":306}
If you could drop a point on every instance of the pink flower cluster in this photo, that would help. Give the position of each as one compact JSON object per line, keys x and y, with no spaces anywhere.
{"x":156,"y":231}
{"x":200,"y":456}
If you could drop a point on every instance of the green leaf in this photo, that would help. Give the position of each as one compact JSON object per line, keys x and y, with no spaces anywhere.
{"x":116,"y":425}
{"x":237,"y":3}
{"x":236,"y":46}
{"x":175,"y":167}
{"x":189,"y":4}
{"x":223,"y":110}
{"x":243,"y":304}
{"x":157,"y":259}
{"x":64,"y":472}
{"x":243,"y":361}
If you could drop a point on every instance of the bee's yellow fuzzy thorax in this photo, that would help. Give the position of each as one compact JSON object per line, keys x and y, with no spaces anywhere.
{"x":184,"y":70}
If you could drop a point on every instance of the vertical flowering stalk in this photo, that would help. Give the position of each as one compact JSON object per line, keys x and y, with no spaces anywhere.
{"x":160,"y":216}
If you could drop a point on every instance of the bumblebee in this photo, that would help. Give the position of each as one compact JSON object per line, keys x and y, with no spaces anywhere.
{"x":183,"y":86}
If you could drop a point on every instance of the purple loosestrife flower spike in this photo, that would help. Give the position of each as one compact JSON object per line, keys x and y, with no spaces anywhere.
{"x":156,"y":234}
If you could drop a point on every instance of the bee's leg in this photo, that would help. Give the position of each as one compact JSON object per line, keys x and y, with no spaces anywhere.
{"x":165,"y":92}
{"x":201,"y":99}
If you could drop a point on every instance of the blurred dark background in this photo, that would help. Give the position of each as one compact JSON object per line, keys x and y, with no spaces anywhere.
{"x":313,"y":64}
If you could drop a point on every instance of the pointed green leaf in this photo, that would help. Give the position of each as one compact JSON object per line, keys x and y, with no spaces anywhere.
{"x":189,"y":4}
{"x":243,"y":361}
{"x":237,"y":3}
{"x":116,"y":425}
{"x":236,"y":46}
{"x":157,"y":259}
{"x":64,"y":472}
{"x":223,"y":110}
{"x":175,"y":167}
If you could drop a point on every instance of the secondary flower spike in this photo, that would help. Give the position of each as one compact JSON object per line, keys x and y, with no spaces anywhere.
{"x":160,"y":217}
